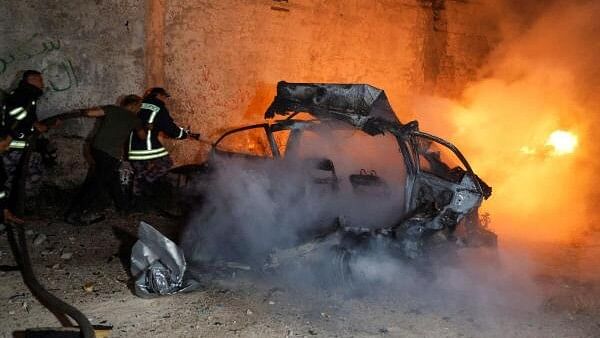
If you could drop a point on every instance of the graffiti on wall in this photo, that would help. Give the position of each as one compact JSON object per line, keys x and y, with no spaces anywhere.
{"x":60,"y":75}
{"x":44,"y":54}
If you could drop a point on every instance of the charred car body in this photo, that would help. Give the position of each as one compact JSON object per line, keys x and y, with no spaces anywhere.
{"x":441,"y":193}
{"x":431,"y":191}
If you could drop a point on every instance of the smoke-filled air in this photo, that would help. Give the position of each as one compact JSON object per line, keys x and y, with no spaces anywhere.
{"x":528,"y":124}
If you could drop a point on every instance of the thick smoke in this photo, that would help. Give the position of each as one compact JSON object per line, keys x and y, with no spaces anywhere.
{"x":542,"y":77}
{"x":493,"y":282}
{"x":257,"y":205}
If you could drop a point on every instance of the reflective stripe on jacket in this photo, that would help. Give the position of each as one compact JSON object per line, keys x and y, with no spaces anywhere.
{"x":19,"y":113}
{"x":156,"y":117}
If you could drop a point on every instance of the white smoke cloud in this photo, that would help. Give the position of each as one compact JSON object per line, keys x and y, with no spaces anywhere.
{"x":255,"y":208}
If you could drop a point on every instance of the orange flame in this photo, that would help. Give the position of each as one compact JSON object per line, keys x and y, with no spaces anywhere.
{"x":513,"y":136}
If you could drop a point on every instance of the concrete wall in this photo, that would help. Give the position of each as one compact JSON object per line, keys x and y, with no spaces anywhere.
{"x":90,"y":52}
{"x":224,"y":58}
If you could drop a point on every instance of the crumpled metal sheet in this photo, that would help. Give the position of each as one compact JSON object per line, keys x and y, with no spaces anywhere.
{"x":357,"y":104}
{"x":158,"y":265}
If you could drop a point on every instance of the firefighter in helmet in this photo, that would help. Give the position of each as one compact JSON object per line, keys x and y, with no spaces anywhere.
{"x":19,"y":117}
{"x":148,"y":156}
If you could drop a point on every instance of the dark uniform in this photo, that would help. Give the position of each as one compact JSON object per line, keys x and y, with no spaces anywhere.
{"x":107,"y":152}
{"x":149,"y":158}
{"x":19,"y":115}
{"x":3,"y":192}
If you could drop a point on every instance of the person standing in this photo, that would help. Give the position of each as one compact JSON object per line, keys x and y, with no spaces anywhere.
{"x":149,"y":158}
{"x":108,"y":152}
{"x":20,"y":118}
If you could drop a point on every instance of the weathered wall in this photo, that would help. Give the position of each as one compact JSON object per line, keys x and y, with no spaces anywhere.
{"x":90,"y":52}
{"x":155,"y":43}
{"x":224,"y":58}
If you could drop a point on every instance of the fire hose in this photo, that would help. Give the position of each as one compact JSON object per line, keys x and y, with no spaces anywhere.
{"x":23,"y":260}
{"x":51,"y":302}
{"x":18,"y":243}
{"x":197,"y":137}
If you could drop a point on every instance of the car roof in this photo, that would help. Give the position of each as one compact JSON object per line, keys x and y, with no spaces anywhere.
{"x":353,"y":103}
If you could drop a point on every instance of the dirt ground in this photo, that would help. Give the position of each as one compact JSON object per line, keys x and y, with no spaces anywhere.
{"x":246,"y":305}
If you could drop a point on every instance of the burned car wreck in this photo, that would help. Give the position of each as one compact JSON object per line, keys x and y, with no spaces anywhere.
{"x":440,"y":191}
{"x":413,"y":195}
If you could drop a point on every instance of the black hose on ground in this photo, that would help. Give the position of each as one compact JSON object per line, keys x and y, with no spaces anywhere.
{"x":21,"y":254}
{"x":50,"y":301}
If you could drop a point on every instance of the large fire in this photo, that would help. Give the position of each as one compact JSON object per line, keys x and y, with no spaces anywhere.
{"x":527,"y":125}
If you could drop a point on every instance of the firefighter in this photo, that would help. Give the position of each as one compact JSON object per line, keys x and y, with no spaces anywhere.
{"x":149,"y":158}
{"x":19,"y":115}
{"x":107,"y":151}
{"x":6,"y":215}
